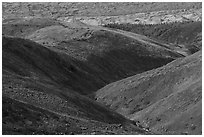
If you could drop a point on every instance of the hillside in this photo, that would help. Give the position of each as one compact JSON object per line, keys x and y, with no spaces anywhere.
{"x":56,"y":9}
{"x":166,"y":99}
{"x":101,"y":68}
{"x":35,"y":102}
{"x":185,"y":36}
{"x":22,"y":27}
{"x":155,"y":17}
{"x":96,"y":54}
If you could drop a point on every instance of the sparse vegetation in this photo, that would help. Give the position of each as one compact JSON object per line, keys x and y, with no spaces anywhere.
{"x":171,"y":104}
{"x":60,"y":9}
{"x":54,"y":69}
{"x":178,"y":33}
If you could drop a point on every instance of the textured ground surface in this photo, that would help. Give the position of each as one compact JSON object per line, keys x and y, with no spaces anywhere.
{"x":35,"y":102}
{"x":99,"y":55}
{"x":167,"y":100}
{"x":55,"y":68}
{"x":90,"y":9}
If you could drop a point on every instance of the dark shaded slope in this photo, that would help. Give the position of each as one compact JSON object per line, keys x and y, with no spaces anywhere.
{"x":33,"y":79}
{"x":99,"y":55}
{"x":114,"y":56}
{"x":29,"y":59}
{"x":167,"y":99}
{"x":21,"y":118}
{"x":111,"y":55}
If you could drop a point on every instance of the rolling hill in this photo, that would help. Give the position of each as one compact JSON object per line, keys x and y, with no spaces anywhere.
{"x":167,"y":99}
{"x":94,"y":56}
{"x":62,"y":74}
{"x":183,"y":36}
{"x":35,"y":102}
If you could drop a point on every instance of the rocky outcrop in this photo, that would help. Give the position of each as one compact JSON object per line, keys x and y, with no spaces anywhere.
{"x":157,"y":17}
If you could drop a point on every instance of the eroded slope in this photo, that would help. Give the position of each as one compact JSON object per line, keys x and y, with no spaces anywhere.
{"x":36,"y":101}
{"x":167,"y":99}
{"x":91,"y":56}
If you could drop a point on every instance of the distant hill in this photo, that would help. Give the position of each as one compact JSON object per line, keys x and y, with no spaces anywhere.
{"x":63,"y":9}
{"x":21,"y":27}
{"x":166,"y":99}
{"x":185,"y":36}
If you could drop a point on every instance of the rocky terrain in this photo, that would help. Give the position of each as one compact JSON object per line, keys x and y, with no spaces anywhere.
{"x":167,"y":99}
{"x":62,"y":9}
{"x":93,"y":68}
{"x":108,"y":13}
{"x":121,"y":53}
{"x":185,"y":37}
{"x":156,"y":17}
{"x":25,"y":81}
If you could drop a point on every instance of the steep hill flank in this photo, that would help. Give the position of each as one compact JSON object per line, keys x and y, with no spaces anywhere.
{"x":38,"y":95}
{"x":97,"y":40}
{"x":20,"y":118}
{"x":96,"y":55}
{"x":185,"y":36}
{"x":111,"y":54}
{"x":85,"y":77}
{"x":33,"y":107}
{"x":30,"y":59}
{"x":167,"y":99}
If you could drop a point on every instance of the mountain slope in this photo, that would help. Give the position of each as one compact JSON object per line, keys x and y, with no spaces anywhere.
{"x":55,"y":65}
{"x":167,"y":99}
{"x":182,"y":36}
{"x":33,"y":79}
{"x":21,"y":27}
{"x":30,"y":59}
{"x":82,"y":47}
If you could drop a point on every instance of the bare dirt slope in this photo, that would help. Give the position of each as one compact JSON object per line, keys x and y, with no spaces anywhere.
{"x":35,"y":102}
{"x":167,"y":99}
{"x":185,"y":37}
{"x":95,"y":56}
{"x":54,"y":66}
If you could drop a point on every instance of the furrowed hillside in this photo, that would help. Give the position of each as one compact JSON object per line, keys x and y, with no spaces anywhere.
{"x":97,"y":54}
{"x":101,"y":68}
{"x":36,"y":102}
{"x":185,"y":36}
{"x":167,"y":99}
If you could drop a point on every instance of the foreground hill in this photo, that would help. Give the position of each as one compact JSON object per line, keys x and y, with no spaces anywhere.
{"x":35,"y":101}
{"x":167,"y":100}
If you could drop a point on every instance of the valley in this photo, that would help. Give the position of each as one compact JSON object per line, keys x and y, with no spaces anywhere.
{"x":67,"y":74}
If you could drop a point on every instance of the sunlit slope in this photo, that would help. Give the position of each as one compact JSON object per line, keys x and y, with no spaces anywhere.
{"x":167,"y":99}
